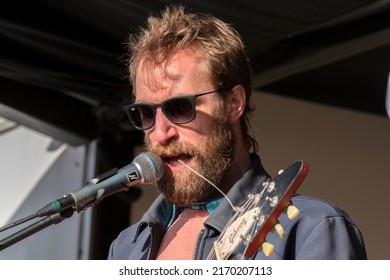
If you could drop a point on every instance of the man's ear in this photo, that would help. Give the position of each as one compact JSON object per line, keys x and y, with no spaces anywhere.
{"x":236,"y":102}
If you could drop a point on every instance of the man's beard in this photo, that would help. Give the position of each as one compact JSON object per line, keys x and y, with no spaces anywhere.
{"x":211,"y":158}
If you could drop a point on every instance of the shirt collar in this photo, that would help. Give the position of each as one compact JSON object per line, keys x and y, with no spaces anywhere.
{"x":209,"y":205}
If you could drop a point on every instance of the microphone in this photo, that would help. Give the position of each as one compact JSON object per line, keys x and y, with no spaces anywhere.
{"x":146,"y":168}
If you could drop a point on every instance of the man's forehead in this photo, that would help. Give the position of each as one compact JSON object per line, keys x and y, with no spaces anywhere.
{"x":155,"y":75}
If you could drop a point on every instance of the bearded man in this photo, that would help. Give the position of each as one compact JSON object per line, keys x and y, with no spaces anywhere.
{"x":192,"y":86}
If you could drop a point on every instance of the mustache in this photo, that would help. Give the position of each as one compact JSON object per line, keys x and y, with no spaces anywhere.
{"x":172,"y":148}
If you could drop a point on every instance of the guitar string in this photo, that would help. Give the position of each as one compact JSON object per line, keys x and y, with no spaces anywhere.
{"x":211,"y":183}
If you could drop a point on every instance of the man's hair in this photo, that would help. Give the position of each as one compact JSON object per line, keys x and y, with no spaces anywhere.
{"x":218,"y":42}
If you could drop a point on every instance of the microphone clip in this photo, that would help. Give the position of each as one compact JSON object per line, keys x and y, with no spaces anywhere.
{"x":79,"y":207}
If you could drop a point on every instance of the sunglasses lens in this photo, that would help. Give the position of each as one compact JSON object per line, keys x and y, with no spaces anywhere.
{"x":180,"y":110}
{"x":142,"y":116}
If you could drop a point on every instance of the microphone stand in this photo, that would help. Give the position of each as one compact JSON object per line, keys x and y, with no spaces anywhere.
{"x":87,"y":196}
{"x":35,"y":227}
{"x":53,"y":215}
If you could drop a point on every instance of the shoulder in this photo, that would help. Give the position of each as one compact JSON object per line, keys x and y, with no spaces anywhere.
{"x":322,"y":230}
{"x":119,"y":248}
{"x":315,"y":207}
{"x":133,"y":242}
{"x":318,"y":214}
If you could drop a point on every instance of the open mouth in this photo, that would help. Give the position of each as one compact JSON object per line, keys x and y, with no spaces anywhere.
{"x":173,"y":160}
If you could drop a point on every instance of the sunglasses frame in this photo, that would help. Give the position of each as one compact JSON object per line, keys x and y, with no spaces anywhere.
{"x":161,"y":105}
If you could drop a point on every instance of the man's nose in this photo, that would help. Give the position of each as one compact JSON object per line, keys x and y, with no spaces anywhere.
{"x":164,"y":130}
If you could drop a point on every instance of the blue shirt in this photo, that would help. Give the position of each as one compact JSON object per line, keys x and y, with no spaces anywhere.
{"x":209,"y":205}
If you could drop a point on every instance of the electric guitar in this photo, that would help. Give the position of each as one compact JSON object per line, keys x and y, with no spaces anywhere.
{"x":246,"y":231}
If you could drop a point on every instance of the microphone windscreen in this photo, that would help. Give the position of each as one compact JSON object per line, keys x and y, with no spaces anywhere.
{"x":152,"y":167}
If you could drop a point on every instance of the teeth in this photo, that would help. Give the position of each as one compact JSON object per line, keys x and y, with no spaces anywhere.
{"x":174,"y":163}
{"x":174,"y":160}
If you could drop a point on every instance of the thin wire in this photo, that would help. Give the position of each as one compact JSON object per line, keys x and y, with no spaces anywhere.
{"x":207,"y":180}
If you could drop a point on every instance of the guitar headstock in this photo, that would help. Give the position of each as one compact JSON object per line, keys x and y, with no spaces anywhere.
{"x":245,"y":233}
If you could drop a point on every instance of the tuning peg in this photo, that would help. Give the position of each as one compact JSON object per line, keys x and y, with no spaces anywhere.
{"x":270,"y":186}
{"x":280,"y":171}
{"x":292,"y":212}
{"x":268,"y":248}
{"x":279,"y":229}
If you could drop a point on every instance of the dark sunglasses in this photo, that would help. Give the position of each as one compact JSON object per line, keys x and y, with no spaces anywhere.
{"x":179,"y":110}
